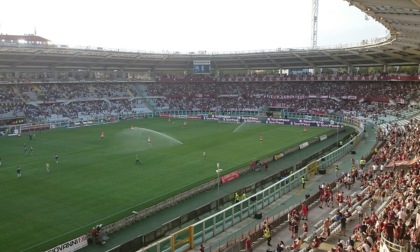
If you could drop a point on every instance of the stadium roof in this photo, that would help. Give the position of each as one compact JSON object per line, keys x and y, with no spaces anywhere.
{"x":28,"y":38}
{"x":401,"y":47}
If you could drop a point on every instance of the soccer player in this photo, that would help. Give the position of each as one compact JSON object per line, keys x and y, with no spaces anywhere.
{"x":149,"y":139}
{"x":31,"y":149}
{"x":137,"y":160}
{"x":102,"y":135}
{"x":56,"y":158}
{"x":0,"y":161}
{"x":261,"y":138}
{"x":204,"y":156}
{"x":18,"y":172}
{"x":47,"y":166}
{"x":185,"y":124}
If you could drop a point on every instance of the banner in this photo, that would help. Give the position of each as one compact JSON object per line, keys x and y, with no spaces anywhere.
{"x":200,"y":79}
{"x":193,"y":117}
{"x":302,"y":122}
{"x":229,"y":177}
{"x":400,"y":100}
{"x":26,"y":128}
{"x":278,"y":156}
{"x":304,"y":145}
{"x":70,"y":246}
{"x":402,"y":163}
{"x":349,"y":97}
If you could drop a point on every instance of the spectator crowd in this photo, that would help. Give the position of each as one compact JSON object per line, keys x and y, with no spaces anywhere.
{"x":388,"y":206}
{"x":73,"y":100}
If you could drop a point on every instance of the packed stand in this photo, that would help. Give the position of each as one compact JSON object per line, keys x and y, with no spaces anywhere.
{"x":66,"y":101}
{"x":341,"y":99}
{"x":329,"y":98}
{"x":386,"y":208}
{"x":392,"y":195}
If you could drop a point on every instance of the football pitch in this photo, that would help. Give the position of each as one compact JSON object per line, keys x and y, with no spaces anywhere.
{"x":98,"y":181}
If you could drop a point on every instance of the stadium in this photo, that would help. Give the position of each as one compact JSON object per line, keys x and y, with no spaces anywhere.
{"x":96,"y":145}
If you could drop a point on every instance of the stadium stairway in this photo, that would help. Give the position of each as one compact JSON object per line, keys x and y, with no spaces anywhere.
{"x":294,"y":197}
{"x":315,"y":219}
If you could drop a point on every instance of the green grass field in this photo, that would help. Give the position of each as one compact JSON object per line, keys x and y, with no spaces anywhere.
{"x":97,"y":180}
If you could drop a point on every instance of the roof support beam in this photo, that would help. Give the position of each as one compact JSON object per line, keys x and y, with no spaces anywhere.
{"x":336,"y":58}
{"x":393,"y":3}
{"x":246,"y":66}
{"x":368,"y":57}
{"x":272,"y":61}
{"x":304,"y":60}
{"x":395,"y":55}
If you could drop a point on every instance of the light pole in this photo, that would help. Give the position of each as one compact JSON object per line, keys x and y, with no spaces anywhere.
{"x":218,"y":171}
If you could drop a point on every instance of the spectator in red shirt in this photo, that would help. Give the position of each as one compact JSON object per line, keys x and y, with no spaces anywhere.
{"x":248,"y":244}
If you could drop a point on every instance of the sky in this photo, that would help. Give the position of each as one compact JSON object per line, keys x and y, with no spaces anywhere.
{"x":188,"y":25}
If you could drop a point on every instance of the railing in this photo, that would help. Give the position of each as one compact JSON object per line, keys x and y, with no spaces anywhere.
{"x":390,"y":246}
{"x":219,"y":222}
{"x":227,"y":218}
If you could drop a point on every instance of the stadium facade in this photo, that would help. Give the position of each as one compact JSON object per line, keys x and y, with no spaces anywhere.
{"x":32,"y":57}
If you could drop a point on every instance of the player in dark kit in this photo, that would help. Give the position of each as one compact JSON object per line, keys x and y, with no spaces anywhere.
{"x":18,"y":172}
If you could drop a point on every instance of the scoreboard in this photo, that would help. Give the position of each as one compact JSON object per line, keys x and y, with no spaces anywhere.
{"x":201,"y":67}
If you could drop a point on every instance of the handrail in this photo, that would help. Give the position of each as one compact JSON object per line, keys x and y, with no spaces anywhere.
{"x":392,"y":247}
